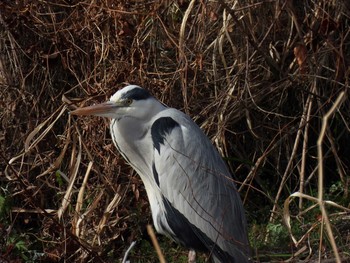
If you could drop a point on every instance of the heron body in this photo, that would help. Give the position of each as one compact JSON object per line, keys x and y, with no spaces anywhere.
{"x":190,"y":190}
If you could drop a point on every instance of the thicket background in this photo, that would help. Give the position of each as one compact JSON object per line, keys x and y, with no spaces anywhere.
{"x":257,"y":76}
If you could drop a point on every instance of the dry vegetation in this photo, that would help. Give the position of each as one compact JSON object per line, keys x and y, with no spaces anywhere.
{"x":258,"y":76}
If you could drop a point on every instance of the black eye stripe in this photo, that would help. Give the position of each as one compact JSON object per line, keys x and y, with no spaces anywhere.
{"x":136,"y":94}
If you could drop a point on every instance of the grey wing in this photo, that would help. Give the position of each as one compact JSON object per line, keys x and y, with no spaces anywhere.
{"x":203,"y":207}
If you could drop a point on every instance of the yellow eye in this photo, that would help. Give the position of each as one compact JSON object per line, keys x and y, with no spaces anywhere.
{"x":128,"y":101}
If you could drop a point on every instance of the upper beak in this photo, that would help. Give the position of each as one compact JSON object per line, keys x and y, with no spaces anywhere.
{"x":104,"y":109}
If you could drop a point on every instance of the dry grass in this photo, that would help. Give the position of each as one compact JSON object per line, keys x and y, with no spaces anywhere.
{"x":259,"y":77}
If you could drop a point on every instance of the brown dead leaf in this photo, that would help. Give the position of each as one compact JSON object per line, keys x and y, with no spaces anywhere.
{"x":300,"y":54}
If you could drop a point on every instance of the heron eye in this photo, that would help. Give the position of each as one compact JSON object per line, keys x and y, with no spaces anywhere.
{"x":128,"y":101}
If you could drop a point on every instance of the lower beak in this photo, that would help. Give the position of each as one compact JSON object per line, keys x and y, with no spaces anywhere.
{"x":102,"y":109}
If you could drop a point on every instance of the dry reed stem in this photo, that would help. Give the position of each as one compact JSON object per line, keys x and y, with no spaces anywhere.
{"x":75,"y":163}
{"x":107,"y":213}
{"x":155,"y":244}
{"x":128,"y":251}
{"x":80,"y":200}
{"x":305,"y":143}
{"x":27,"y":145}
{"x":336,"y":104}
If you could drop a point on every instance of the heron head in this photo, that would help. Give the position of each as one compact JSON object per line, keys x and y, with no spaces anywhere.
{"x":131,"y":101}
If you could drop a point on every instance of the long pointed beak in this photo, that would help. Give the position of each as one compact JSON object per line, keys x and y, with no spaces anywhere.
{"x":104,"y":109}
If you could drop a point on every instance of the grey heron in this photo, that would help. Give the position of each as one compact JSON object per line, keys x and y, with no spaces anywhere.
{"x":190,"y":190}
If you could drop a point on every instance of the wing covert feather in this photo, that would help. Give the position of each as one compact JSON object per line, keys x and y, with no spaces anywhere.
{"x":195,"y":180}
